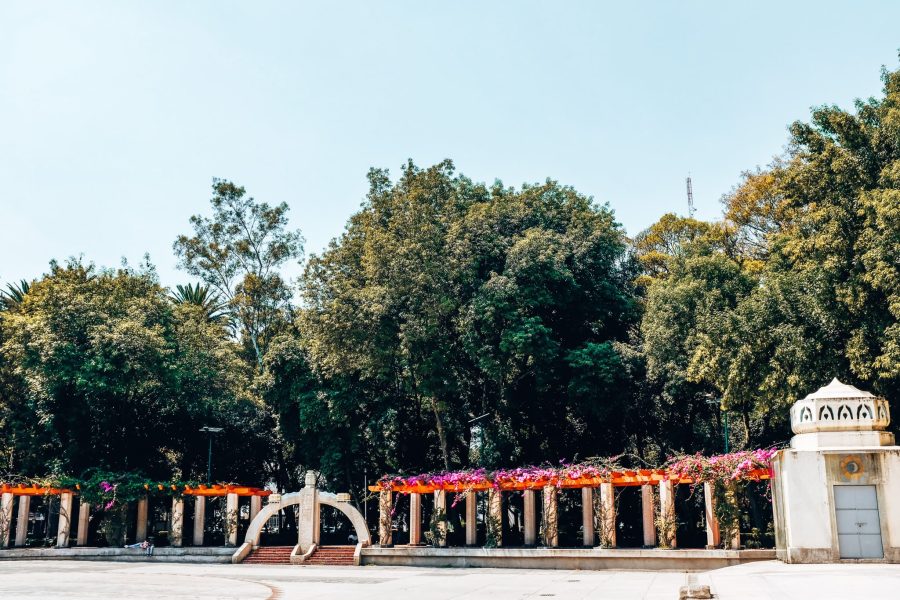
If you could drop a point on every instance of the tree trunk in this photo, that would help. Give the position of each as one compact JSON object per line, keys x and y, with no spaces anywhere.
{"x":442,"y":436}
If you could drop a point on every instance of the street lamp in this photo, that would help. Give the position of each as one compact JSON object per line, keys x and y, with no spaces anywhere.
{"x":721,"y":404}
{"x":210,"y":431}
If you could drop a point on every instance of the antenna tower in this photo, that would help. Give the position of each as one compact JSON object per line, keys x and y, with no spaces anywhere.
{"x":690,"y":195}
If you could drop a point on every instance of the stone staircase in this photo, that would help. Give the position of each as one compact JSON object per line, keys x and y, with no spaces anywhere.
{"x":270,"y":555}
{"x":332,"y":556}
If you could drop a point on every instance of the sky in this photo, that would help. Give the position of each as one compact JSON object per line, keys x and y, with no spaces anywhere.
{"x":115,"y":116}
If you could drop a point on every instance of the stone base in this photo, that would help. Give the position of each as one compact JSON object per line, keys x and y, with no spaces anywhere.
{"x":830,"y":555}
{"x":562,"y":558}
{"x":167,"y":554}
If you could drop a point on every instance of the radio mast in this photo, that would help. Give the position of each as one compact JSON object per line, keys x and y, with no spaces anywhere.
{"x":690,"y":195}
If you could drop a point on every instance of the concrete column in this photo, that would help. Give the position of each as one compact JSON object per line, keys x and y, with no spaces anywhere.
{"x":65,"y":520}
{"x":141,"y":530}
{"x":530,"y":518}
{"x":735,"y":542}
{"x":495,"y":515}
{"x":231,"y":519}
{"x":550,"y":522}
{"x":199,"y":519}
{"x":415,"y":519}
{"x":587,"y":516}
{"x":176,"y":530}
{"x":607,"y":515}
{"x":712,"y":522}
{"x":385,"y":522}
{"x":649,"y":517}
{"x":22,"y":520}
{"x":84,"y":519}
{"x":667,"y":514}
{"x":6,"y":509}
{"x":440,"y":506}
{"x":471,"y":519}
{"x":255,"y":506}
{"x":308,"y":523}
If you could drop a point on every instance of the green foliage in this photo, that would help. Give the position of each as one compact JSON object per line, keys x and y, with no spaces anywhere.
{"x":210,"y":304}
{"x":12,"y":297}
{"x":803,"y":289}
{"x":239,"y":252}
{"x":111,"y":375}
{"x":445,"y":300}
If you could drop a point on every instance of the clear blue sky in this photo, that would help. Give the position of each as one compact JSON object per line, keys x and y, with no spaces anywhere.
{"x":114,"y":116}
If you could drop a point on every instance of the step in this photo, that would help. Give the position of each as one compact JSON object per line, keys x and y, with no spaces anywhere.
{"x":333,"y":556}
{"x":270,"y":555}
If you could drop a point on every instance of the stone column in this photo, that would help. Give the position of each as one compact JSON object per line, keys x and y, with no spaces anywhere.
{"x":415,"y":519}
{"x":6,"y":507}
{"x":471,"y":519}
{"x":22,"y":520}
{"x":65,"y":520}
{"x":255,"y":506}
{"x":199,"y":519}
{"x":440,"y":506}
{"x":84,"y":519}
{"x":607,"y":515}
{"x":649,"y":517}
{"x":141,"y":531}
{"x":667,"y":514}
{"x":231,"y":519}
{"x":385,"y":522}
{"x":495,"y":515}
{"x":550,"y":522}
{"x":712,"y":522}
{"x":587,"y":516}
{"x":530,"y":518}
{"x":308,"y":522}
{"x":735,"y":542}
{"x":176,"y":530}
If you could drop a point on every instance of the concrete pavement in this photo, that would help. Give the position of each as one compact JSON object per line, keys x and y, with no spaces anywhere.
{"x":757,"y":581}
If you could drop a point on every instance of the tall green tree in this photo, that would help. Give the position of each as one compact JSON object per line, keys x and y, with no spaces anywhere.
{"x":239,"y":252}
{"x":448,"y":300}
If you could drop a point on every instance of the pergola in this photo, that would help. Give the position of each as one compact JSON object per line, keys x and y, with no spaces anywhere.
{"x":8,"y":492}
{"x":549,"y":486}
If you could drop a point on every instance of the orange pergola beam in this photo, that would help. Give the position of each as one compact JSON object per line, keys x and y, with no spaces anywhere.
{"x":617,"y":478}
{"x":224,"y":490}
{"x":30,"y":490}
{"x":216,"y":490}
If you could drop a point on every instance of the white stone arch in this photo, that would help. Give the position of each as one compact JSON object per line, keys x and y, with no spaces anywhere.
{"x":295,"y":498}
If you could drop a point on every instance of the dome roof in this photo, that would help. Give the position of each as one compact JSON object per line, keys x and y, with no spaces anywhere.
{"x":836,"y":389}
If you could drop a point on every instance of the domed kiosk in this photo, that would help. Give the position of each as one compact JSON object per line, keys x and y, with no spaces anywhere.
{"x":836,"y":490}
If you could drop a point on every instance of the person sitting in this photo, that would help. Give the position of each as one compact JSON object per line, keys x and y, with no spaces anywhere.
{"x":146,"y":546}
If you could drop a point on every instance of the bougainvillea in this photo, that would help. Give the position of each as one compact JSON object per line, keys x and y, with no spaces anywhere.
{"x":695,"y":467}
{"x":721,"y":467}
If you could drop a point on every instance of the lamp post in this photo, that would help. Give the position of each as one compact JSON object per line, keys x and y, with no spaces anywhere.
{"x":721,"y":404}
{"x":209,"y":431}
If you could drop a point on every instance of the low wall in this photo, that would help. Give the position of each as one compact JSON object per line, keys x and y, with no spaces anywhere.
{"x":167,"y":554}
{"x":562,"y":558}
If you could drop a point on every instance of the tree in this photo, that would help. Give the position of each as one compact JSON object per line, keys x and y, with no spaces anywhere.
{"x":239,"y":252}
{"x":213,"y":308}
{"x":12,"y":297}
{"x":446,"y":300}
{"x":112,"y":375}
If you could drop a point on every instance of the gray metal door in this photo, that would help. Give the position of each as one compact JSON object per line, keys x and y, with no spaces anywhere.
{"x":858,"y":522}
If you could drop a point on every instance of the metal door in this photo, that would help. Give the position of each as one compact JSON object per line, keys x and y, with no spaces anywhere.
{"x":858,"y":522}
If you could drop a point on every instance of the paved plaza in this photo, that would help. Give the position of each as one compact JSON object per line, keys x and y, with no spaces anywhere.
{"x":758,"y":581}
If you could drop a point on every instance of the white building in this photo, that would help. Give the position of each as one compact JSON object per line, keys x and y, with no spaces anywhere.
{"x":836,"y":490}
